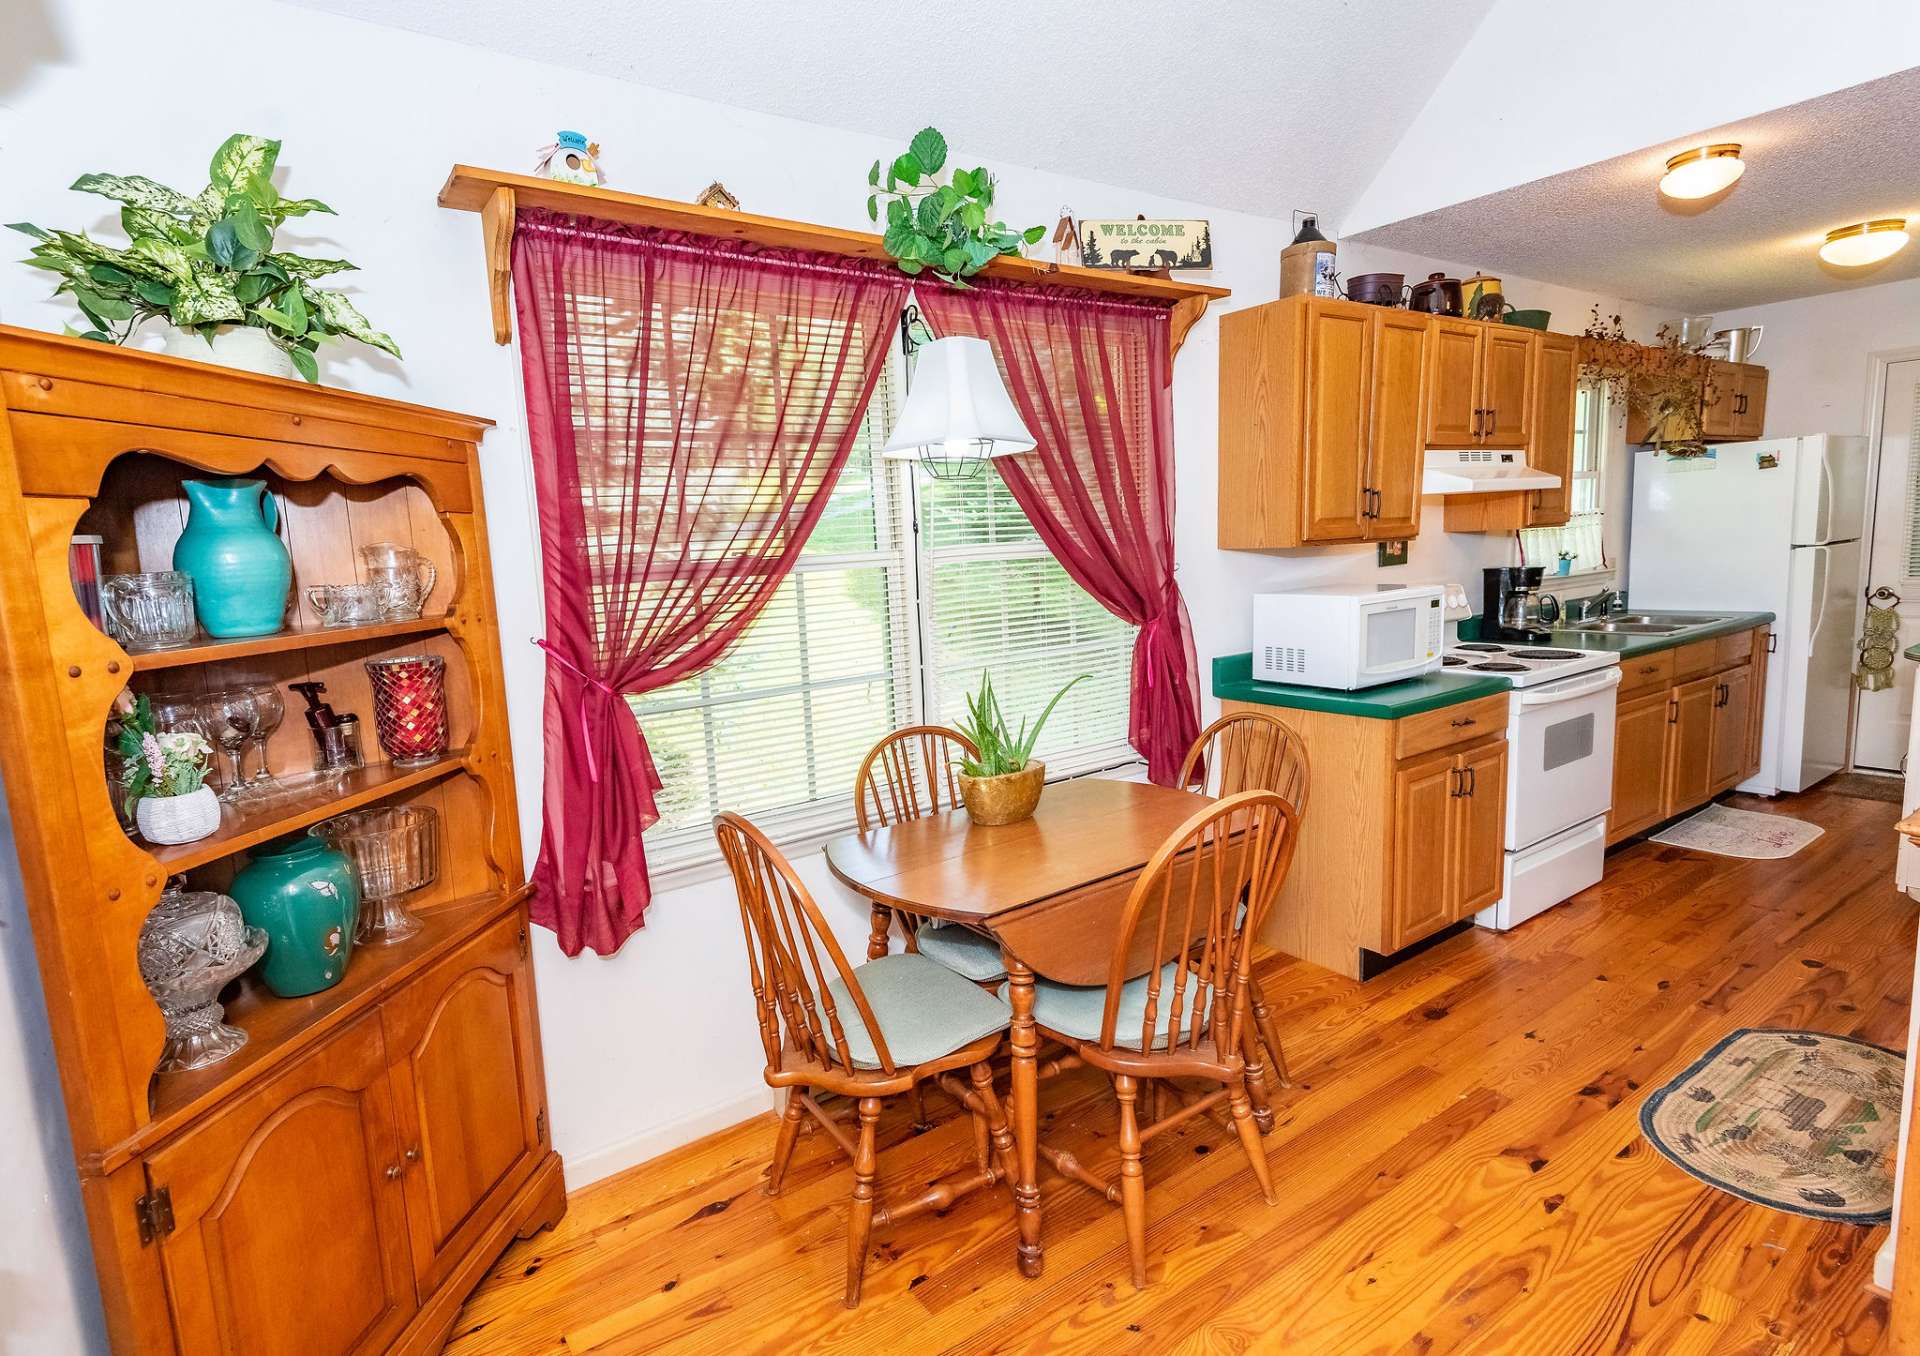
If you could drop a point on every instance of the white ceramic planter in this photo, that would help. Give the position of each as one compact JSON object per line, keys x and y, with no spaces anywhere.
{"x":245,"y":347}
{"x":178,"y":819}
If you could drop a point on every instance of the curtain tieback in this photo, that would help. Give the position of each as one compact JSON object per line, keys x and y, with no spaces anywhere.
{"x":605,"y":688}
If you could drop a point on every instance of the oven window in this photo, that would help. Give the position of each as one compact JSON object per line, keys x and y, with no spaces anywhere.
{"x":1390,"y":632}
{"x":1568,"y":742}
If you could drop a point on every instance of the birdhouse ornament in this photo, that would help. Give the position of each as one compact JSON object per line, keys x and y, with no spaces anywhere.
{"x":572,"y":159}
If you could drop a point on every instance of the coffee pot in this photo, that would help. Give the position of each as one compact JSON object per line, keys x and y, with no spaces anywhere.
{"x":1515,"y":609}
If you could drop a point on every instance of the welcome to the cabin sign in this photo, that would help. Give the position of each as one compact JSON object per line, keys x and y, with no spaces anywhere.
{"x":1146,"y":244}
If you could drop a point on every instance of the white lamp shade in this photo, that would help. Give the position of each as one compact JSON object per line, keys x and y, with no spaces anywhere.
{"x":957,"y":406}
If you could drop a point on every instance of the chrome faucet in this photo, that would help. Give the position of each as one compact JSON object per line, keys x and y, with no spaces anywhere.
{"x":1606,"y":603}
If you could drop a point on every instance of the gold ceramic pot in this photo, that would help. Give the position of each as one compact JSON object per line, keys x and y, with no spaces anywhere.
{"x":1006,"y":799}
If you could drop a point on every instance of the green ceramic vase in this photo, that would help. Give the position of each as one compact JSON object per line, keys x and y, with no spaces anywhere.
{"x":304,"y":895}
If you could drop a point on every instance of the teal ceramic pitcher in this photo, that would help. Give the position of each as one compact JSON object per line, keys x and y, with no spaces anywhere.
{"x":305,"y":896}
{"x":240,"y":567}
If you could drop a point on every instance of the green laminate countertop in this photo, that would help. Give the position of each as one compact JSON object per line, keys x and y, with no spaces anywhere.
{"x":1233,"y":681}
{"x":1233,"y":674}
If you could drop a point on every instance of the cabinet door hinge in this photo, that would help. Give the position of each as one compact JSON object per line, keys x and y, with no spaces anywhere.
{"x":540,"y":1125}
{"x":153,"y":1213}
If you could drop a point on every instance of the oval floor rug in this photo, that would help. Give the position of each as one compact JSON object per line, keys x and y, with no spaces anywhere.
{"x":1798,"y":1120}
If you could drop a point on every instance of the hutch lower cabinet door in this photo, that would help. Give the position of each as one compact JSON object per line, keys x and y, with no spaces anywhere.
{"x":289,"y":1231}
{"x":466,"y":1093}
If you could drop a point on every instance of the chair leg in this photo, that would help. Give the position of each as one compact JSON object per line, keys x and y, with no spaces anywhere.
{"x":1133,"y":1182}
{"x":998,"y":1132}
{"x":860,"y":1224}
{"x":783,"y":1142}
{"x":1251,"y":1050}
{"x":1269,"y":1036}
{"x":920,"y":1121}
{"x":1250,"y":1139}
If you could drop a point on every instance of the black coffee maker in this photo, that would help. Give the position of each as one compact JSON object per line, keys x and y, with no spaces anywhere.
{"x":1512,"y":612}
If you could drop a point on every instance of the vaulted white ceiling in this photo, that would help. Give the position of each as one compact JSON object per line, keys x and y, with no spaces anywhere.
{"x":1844,"y":157}
{"x":1261,"y":107}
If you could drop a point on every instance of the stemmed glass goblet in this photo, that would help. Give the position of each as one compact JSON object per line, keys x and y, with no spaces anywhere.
{"x":233,"y":723}
{"x":269,"y":709}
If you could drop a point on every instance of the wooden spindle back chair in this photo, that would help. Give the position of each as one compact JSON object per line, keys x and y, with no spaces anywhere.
{"x":1246,"y":751}
{"x":909,"y":774}
{"x":796,"y":967}
{"x":1190,"y":919}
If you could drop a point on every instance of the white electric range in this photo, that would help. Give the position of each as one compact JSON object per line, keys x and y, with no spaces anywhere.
{"x":1559,"y":768}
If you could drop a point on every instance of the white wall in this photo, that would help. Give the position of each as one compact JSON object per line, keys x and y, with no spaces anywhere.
{"x":1543,"y":88}
{"x":656,"y":1045}
{"x":1818,"y":352}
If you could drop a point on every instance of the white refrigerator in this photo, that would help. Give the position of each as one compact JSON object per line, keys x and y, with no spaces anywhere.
{"x":1765,"y":527}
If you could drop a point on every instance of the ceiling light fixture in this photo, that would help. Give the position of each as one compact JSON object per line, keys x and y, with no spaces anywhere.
{"x":1865,"y":242}
{"x":1703,"y":171}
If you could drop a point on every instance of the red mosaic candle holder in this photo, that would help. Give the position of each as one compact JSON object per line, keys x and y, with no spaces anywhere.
{"x":410,"y":707}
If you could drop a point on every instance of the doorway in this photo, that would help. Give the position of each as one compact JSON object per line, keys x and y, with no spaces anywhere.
{"x":1881,"y":719}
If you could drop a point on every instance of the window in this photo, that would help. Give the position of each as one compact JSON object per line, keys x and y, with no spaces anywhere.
{"x":907,"y":589}
{"x":1583,"y":533}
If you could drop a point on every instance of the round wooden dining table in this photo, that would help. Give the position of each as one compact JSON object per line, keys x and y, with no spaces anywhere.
{"x":1048,"y":889}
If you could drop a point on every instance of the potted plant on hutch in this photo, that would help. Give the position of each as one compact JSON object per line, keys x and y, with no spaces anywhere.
{"x":1002,"y":785}
{"x":165,"y":775}
{"x":206,"y":265}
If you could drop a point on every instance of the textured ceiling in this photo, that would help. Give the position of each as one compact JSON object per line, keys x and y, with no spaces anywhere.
{"x":1844,"y":157}
{"x":1263,"y":108}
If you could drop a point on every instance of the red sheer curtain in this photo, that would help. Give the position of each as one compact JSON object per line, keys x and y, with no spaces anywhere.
{"x":690,"y":403}
{"x":1089,"y":376}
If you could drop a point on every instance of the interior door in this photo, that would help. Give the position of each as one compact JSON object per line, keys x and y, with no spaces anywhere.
{"x":1556,"y":390}
{"x":1453,"y":383}
{"x":463,"y":1069}
{"x":1507,"y":390}
{"x":1395,"y":434}
{"x":1893,"y":561}
{"x":1339,"y":357}
{"x":290,"y":1234}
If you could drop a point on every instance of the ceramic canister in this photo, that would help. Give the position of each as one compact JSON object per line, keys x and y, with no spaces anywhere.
{"x":305,"y":896}
{"x":239,"y":565}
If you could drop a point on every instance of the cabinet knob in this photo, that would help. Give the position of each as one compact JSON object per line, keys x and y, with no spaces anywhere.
{"x":393,"y":1172}
{"x":412,"y":1155}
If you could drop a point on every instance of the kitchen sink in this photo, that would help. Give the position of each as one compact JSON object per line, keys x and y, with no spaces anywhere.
{"x":1674,"y":619}
{"x":1630,"y":628}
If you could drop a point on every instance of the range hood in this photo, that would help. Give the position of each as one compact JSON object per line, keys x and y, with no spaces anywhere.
{"x":1481,"y":470}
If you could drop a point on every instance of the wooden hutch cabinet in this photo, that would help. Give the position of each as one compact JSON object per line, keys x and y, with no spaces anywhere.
{"x":341,"y":1182}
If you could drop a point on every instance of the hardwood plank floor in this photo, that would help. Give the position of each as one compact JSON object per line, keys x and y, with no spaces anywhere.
{"x":1460,"y":1164}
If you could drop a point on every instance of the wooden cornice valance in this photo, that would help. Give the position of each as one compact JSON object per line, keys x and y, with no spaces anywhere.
{"x":497,"y":195}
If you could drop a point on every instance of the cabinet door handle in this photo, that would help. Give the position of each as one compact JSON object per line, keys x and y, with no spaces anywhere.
{"x":1461,"y":722}
{"x":1493,"y":420}
{"x":1473,"y":779}
{"x":1649,"y":668}
{"x":393,"y":1172}
{"x":412,"y":1155}
{"x":1673,"y":710}
{"x":1477,"y":414}
{"x":1376,"y":502}
{"x":1458,"y":779}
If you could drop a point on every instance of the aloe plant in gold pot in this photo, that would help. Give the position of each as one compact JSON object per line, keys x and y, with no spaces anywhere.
{"x":1003,"y":784}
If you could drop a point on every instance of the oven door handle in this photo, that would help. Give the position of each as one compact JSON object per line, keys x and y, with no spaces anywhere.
{"x":1567,"y":690}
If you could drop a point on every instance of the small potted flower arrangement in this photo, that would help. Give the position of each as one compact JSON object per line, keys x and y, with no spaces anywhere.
{"x":1566,"y":563}
{"x":1002,"y":785}
{"x":165,"y":778}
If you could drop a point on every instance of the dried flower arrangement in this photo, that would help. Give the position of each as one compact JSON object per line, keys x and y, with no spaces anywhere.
{"x":1665,"y":381}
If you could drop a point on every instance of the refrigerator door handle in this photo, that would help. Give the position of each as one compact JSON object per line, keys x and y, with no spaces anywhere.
{"x":1819,"y":595}
{"x":1823,"y":509}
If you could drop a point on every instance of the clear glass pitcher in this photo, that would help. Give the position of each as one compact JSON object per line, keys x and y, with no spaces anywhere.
{"x":403,"y":577}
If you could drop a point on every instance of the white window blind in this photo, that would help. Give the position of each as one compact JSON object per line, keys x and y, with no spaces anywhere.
{"x":877,"y":627}
{"x":1913,"y":491}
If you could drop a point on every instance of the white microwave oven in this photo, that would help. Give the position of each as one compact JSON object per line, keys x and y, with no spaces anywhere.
{"x":1348,"y":635}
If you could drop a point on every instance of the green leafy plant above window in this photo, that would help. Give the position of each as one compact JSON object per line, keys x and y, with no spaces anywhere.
{"x":205,"y":261}
{"x":943,"y":227}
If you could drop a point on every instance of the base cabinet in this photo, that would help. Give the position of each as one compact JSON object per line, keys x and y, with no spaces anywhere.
{"x":318,"y":1214}
{"x":1687,"y":728}
{"x":1409,"y":838}
{"x":289,"y":1228}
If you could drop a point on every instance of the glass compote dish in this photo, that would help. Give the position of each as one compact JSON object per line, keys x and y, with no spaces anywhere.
{"x":395,"y":850}
{"x":193,"y":944}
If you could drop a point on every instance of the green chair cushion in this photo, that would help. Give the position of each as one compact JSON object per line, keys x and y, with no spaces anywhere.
{"x":963,"y":951}
{"x":1075,"y":1010}
{"x":923,"y":1009}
